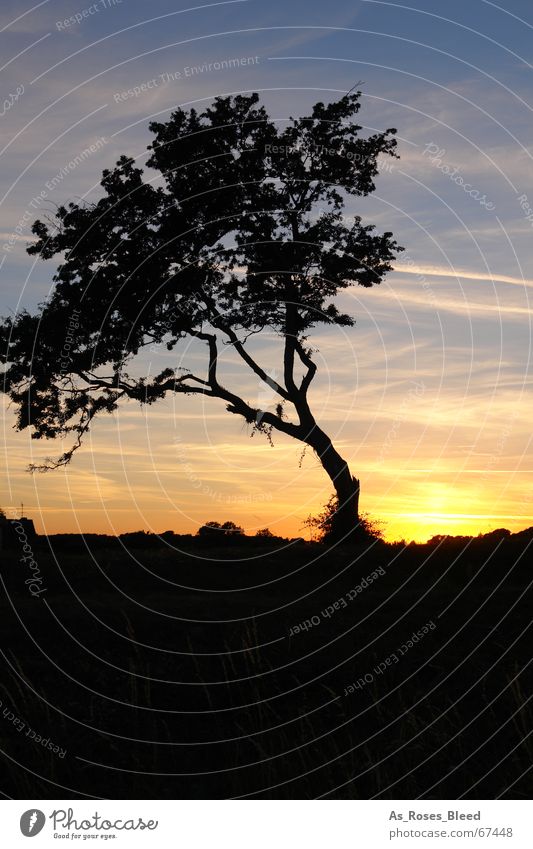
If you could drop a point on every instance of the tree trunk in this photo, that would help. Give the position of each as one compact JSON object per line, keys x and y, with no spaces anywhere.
{"x":345,"y":523}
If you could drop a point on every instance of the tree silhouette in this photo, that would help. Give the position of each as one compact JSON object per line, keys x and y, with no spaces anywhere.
{"x":240,"y":232}
{"x":217,"y":530}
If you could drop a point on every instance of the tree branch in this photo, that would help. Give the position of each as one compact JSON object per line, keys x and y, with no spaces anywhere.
{"x":310,"y":365}
{"x":288,"y":353}
{"x":211,"y":340}
{"x":219,"y":323}
{"x":256,"y":368}
{"x":238,"y":406}
{"x":175,"y":384}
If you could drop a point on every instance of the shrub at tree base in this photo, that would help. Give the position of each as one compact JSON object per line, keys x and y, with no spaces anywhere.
{"x":323,"y":528}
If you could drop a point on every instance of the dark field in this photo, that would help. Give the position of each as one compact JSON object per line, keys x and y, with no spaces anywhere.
{"x":164,"y":673}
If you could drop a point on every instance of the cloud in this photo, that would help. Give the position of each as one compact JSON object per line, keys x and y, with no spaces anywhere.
{"x":461,"y":273}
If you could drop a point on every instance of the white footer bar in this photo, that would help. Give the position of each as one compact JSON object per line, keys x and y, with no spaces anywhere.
{"x":268,"y":824}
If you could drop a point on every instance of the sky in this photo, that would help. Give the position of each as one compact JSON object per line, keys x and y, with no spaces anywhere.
{"x":429,"y":395}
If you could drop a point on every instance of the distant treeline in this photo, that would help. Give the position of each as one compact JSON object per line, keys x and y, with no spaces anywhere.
{"x":500,"y":538}
{"x":168,"y":539}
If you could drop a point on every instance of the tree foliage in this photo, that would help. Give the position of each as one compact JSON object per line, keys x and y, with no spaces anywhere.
{"x":217,"y":530}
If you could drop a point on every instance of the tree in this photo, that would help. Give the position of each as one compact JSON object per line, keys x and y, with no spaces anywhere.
{"x":217,"y":530}
{"x":242,"y":232}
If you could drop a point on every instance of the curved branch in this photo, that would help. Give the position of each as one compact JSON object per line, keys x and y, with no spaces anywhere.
{"x":218,"y":322}
{"x":239,"y":407}
{"x":309,"y":364}
{"x":211,"y":340}
{"x":260,"y":372}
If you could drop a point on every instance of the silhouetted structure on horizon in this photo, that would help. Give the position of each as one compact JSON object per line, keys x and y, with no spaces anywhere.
{"x":15,"y":532}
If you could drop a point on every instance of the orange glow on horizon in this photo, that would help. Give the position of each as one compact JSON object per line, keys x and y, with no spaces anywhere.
{"x":395,"y":527}
{"x":430,"y":461}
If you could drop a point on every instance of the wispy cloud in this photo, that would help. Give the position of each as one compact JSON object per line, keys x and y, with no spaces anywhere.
{"x":462,"y":274}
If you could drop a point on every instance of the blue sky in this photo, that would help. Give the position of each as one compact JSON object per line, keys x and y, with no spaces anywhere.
{"x":430,"y":395}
